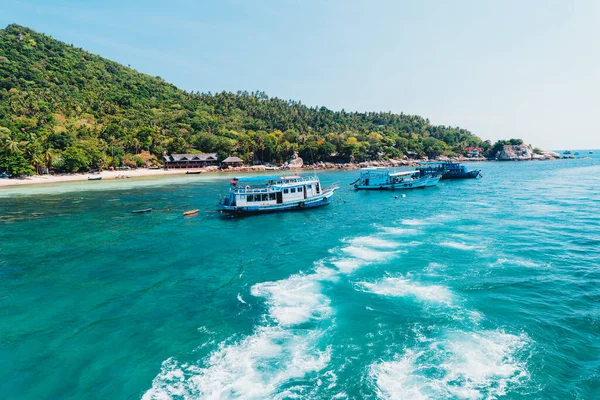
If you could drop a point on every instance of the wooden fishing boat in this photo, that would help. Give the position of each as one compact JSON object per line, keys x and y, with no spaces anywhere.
{"x":193,"y":172}
{"x":382,"y":179}
{"x":96,"y":178}
{"x":145,"y":210}
{"x":448,"y":170}
{"x":191,"y":212}
{"x":263,"y":194}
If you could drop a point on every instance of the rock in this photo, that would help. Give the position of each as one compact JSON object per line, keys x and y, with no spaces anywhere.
{"x":550,"y":155}
{"x":295,"y":162}
{"x":515,"y":153}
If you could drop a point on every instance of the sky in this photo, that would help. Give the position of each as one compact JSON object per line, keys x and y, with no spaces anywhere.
{"x":501,"y":69}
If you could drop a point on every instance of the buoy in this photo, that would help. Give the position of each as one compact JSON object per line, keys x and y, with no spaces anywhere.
{"x":403,"y":195}
{"x":191,"y":212}
{"x":395,"y":197}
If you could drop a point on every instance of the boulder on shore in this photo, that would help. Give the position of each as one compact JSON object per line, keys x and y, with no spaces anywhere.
{"x":515,"y":153}
{"x":524,"y":152}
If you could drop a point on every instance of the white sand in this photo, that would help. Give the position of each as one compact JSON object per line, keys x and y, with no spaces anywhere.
{"x":142,"y":172}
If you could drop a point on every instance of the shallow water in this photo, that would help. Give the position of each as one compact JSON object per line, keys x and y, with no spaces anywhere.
{"x":473,"y":289}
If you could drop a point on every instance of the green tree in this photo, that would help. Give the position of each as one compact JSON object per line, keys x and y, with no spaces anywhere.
{"x":75,"y":160}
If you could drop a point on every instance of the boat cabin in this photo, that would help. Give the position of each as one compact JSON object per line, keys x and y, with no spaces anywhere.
{"x":382,"y":176}
{"x":271,"y":190}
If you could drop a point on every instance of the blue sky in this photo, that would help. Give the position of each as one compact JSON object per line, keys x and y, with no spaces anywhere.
{"x":502,"y":69}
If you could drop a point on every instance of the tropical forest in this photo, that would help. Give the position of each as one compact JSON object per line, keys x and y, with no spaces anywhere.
{"x":63,"y":110}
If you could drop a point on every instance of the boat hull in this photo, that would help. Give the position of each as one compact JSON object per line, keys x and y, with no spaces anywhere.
{"x":433,"y":180}
{"x":304,"y":204}
{"x":414,"y":184}
{"x":468,"y":175}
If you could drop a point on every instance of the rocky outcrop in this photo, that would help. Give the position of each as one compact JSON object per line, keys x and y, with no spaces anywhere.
{"x":548,"y":155}
{"x":520,"y":152}
{"x":524,"y":152}
{"x":295,"y":162}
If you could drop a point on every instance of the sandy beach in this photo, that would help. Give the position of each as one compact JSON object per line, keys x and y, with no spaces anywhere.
{"x":106,"y":175}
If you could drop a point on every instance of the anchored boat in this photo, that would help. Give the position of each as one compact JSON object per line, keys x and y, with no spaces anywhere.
{"x":448,"y":170}
{"x":383,"y":179}
{"x":260,"y":194}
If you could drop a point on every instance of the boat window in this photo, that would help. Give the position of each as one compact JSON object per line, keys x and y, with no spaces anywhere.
{"x":265,"y":197}
{"x":242,"y":197}
{"x":293,"y":190}
{"x":300,"y":189}
{"x":286,"y":191}
{"x":271,"y":196}
{"x":250,"y":197}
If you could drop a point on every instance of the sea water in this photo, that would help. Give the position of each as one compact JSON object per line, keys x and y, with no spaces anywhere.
{"x":486,"y":288}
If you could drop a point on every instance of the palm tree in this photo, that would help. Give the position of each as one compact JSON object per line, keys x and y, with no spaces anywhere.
{"x":48,"y":156}
{"x":38,"y":162}
{"x":13,"y":146}
{"x":135,"y":143}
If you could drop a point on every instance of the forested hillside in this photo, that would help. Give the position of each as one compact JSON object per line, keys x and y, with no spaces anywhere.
{"x":67,"y":109}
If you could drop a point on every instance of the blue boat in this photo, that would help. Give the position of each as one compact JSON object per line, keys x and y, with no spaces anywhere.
{"x":448,"y":170}
{"x":374,"y":178}
{"x":263,"y":194}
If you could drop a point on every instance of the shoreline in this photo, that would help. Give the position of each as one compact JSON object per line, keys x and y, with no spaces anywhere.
{"x":150,"y":173}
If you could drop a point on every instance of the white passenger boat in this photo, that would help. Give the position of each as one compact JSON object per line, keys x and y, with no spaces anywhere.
{"x":384,"y":179}
{"x":262,"y":194}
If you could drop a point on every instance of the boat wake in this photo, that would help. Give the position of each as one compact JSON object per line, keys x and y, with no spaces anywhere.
{"x":289,"y":344}
{"x":288,"y":354}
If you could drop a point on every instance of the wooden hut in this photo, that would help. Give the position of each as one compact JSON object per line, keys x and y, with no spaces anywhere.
{"x":232,"y":162}
{"x":190,"y":160}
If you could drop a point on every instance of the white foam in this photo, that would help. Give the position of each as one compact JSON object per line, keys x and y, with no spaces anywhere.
{"x":399,"y":231}
{"x":369,"y":254}
{"x":294,"y":300}
{"x":204,"y":329}
{"x":458,"y":245}
{"x":401,"y":287}
{"x":168,"y":383}
{"x":347,"y":265}
{"x":258,"y":365}
{"x":437,"y":219}
{"x":414,"y":222}
{"x":374,"y":241}
{"x":434,"y":268}
{"x":252,"y":368}
{"x":519,"y":262}
{"x":467,"y":365}
{"x":395,"y":380}
{"x":240,"y":299}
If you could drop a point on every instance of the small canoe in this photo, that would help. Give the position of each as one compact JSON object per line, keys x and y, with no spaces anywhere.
{"x":99,"y":178}
{"x":193,"y":172}
{"x":191,"y":212}
{"x":145,"y":210}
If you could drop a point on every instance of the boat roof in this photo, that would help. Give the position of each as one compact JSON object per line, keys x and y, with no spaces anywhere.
{"x":436,"y":162}
{"x":402,"y":173}
{"x":266,"y":178}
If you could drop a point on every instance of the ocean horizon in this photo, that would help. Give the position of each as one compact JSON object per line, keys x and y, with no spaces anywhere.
{"x":485,"y":288}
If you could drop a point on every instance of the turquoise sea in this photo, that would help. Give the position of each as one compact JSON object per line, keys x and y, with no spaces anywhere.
{"x":477,"y":289}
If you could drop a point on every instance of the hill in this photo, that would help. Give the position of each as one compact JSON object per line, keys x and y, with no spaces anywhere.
{"x":67,"y":109}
